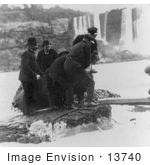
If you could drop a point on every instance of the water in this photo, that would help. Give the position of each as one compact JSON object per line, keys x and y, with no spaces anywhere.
{"x":127,"y":79}
{"x":126,"y":29}
{"x":8,"y":85}
{"x":134,"y":32}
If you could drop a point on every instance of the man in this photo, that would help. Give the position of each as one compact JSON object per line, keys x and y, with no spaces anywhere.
{"x":28,"y":73}
{"x":56,"y":91}
{"x":79,"y":58}
{"x":93,"y":32}
{"x":94,"y":58}
{"x":46,"y":56}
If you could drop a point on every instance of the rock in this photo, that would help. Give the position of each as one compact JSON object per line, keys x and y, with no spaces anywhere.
{"x":48,"y":124}
{"x":44,"y":126}
{"x":132,"y":119}
{"x":34,"y":139}
{"x":11,"y":138}
{"x":23,"y":139}
{"x":140,"y":108}
{"x":102,"y":60}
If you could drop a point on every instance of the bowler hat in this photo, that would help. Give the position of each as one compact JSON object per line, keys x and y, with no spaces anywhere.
{"x":92,"y":30}
{"x":32,"y":41}
{"x":46,"y":42}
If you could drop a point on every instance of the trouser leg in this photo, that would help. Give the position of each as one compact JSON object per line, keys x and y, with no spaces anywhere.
{"x":87,"y":81}
{"x":79,"y":91}
{"x":28,"y":96}
{"x":69,"y":96}
{"x":50,"y":90}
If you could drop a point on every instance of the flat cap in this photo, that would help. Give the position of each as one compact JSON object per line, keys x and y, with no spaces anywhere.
{"x":92,"y":30}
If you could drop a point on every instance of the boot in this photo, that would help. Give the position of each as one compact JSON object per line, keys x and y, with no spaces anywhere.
{"x":81,"y":103}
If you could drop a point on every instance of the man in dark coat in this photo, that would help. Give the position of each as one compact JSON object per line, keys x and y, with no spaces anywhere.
{"x":28,"y":73}
{"x":94,"y":58}
{"x":56,"y":90}
{"x":78,"y":60}
{"x":46,"y":56}
{"x":93,"y":32}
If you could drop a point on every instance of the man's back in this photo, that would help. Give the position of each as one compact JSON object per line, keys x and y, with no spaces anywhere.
{"x":78,"y":39}
{"x":81,"y":53}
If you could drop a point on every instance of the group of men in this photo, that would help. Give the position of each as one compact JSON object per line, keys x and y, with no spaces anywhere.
{"x":68,"y":69}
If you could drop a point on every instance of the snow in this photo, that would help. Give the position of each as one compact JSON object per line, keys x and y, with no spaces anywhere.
{"x":130,"y":129}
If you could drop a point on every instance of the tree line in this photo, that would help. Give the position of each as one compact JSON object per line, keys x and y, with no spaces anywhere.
{"x":36,"y":12}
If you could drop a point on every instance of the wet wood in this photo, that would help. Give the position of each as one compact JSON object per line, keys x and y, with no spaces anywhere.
{"x":125,"y":101}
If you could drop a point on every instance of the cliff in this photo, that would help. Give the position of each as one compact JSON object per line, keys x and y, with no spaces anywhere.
{"x":121,"y":36}
{"x":16,"y":25}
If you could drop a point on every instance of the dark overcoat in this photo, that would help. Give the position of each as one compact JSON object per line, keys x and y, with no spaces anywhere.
{"x":80,"y":37}
{"x":57,"y":73}
{"x":56,"y":82}
{"x":45,"y":60}
{"x":28,"y":69}
{"x":78,"y":60}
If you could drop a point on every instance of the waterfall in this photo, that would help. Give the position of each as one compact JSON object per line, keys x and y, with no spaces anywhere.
{"x":89,"y":22}
{"x":135,"y":28}
{"x":105,"y":25}
{"x":75,"y":24}
{"x":85,"y":26}
{"x":97,"y":25}
{"x":126,"y":40}
{"x":142,"y":42}
{"x":102,"y":26}
{"x":82,"y":23}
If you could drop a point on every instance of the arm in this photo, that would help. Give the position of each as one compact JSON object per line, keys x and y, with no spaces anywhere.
{"x":38,"y":63}
{"x":94,"y":47}
{"x":77,"y":40}
{"x":55,"y":54}
{"x":25,"y":62}
{"x":87,"y":56}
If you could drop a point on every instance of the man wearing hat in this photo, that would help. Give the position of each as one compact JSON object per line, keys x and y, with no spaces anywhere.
{"x":93,"y":32}
{"x":28,"y":73}
{"x":46,"y":56}
{"x":78,"y":60}
{"x":94,"y":53}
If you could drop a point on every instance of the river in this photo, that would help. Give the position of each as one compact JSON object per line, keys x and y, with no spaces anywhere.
{"x":127,"y":79}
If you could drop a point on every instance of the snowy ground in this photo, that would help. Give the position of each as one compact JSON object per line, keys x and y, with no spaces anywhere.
{"x":129,"y":129}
